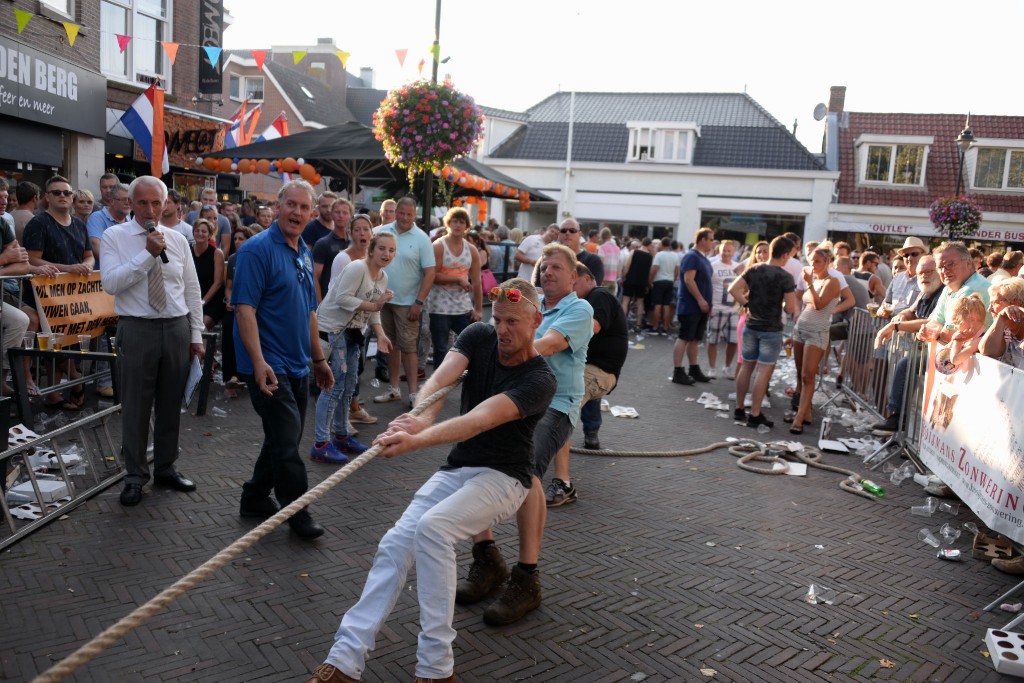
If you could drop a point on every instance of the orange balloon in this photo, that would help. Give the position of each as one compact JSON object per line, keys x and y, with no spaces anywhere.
{"x":211,"y":164}
{"x":478,"y":184}
{"x":289,"y":165}
{"x":243,"y":166}
{"x":263,"y":166}
{"x":225,"y":165}
{"x":316,"y":179}
{"x":307,"y":171}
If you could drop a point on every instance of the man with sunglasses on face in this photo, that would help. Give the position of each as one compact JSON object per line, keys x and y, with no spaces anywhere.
{"x":56,"y":237}
{"x":570,"y":234}
{"x":487,"y":476}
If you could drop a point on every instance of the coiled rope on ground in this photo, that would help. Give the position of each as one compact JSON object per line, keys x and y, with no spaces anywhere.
{"x":141,"y":614}
{"x":748,"y":450}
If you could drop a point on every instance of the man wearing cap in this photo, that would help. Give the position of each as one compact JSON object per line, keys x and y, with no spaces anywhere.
{"x":904,"y":289}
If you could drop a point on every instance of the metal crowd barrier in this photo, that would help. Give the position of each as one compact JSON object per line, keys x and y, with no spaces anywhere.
{"x":869,"y":375}
{"x":504,"y":257}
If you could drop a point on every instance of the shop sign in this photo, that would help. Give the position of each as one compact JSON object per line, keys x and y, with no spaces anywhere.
{"x":995,"y":234}
{"x":211,"y":28}
{"x":187,"y":137}
{"x":39,"y":87}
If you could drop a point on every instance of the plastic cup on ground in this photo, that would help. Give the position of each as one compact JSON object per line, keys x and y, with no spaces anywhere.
{"x":926,"y":510}
{"x":951,"y":508}
{"x":972,"y":527}
{"x":949,"y":533}
{"x":817,"y":595}
{"x":44,"y":341}
{"x":928,"y":537}
{"x":83,"y":342}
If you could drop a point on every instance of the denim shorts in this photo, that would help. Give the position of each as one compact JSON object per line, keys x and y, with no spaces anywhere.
{"x":551,"y":433}
{"x":763,"y":347}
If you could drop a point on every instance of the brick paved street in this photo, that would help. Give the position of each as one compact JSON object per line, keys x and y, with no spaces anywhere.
{"x":667,"y":569}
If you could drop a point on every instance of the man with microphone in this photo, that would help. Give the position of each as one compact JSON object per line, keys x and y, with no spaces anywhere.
{"x":149,"y":271}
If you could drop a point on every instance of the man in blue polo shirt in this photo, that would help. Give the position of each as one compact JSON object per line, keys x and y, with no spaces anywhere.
{"x":694,"y":307}
{"x":562,"y":338}
{"x":275,"y":331}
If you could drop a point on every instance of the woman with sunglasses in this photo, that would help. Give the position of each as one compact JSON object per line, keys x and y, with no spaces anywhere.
{"x":353,"y":301}
{"x":209,"y":262}
{"x":456,"y":298}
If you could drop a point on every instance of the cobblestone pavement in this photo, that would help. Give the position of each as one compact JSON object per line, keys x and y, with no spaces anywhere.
{"x":667,"y":569}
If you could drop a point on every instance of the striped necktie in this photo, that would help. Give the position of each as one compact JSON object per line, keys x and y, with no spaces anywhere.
{"x":157,"y":293}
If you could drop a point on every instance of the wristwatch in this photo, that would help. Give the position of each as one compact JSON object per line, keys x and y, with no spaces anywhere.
{"x":419,"y":302}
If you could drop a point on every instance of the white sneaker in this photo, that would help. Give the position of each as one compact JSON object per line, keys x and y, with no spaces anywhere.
{"x":712,"y":374}
{"x":392,"y":394}
{"x":412,"y":400}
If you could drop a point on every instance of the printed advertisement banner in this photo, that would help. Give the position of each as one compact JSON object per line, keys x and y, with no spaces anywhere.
{"x":971,"y":438}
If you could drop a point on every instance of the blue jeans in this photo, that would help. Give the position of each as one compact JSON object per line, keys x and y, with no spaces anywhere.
{"x":899,"y":383}
{"x":440,"y":327}
{"x":450,"y":507}
{"x":279,"y":467}
{"x":590,"y":416}
{"x":332,"y":406}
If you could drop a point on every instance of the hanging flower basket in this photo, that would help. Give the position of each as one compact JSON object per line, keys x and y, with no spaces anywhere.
{"x":425,"y":125}
{"x":955,"y":217}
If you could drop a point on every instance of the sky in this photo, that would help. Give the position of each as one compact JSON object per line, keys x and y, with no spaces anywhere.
{"x":894,"y":55}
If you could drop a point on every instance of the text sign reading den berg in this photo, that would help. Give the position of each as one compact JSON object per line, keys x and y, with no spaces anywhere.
{"x":43,"y":88}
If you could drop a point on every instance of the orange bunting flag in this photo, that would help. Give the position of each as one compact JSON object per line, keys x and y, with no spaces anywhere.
{"x":343,"y":58}
{"x":122,"y":42}
{"x":72,"y":31}
{"x":171,"y":49}
{"x":297,"y":56}
{"x":22,"y":18}
{"x":401,"y":56}
{"x":419,"y":67}
{"x":260,"y":56}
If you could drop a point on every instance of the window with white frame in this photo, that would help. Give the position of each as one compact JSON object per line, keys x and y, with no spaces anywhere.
{"x":999,"y":167}
{"x":148,"y":22}
{"x":661,"y":142}
{"x":893,"y":160}
{"x":65,"y":7}
{"x":246,"y":87}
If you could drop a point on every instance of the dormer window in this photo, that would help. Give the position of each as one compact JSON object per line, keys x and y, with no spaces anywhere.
{"x":893,"y":160}
{"x":661,"y":142}
{"x":998,"y":165}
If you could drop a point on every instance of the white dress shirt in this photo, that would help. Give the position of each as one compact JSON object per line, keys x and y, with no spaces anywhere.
{"x":125,"y":266}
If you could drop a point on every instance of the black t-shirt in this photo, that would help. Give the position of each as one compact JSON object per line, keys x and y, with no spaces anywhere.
{"x":607,"y":349}
{"x":594,"y":263}
{"x":66,"y":246}
{"x":768,"y":286}
{"x":324,"y":251}
{"x":314,"y":231}
{"x":508,"y":447}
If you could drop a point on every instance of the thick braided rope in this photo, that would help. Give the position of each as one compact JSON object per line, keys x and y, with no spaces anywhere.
{"x":141,"y":614}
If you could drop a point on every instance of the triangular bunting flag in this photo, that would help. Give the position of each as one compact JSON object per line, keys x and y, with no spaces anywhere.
{"x":419,"y":67}
{"x":297,"y":56}
{"x":72,"y":31}
{"x":171,"y":49}
{"x":260,"y":56}
{"x":213,"y":54}
{"x":435,"y":50}
{"x":122,"y":42}
{"x":23,"y":18}
{"x":343,"y":57}
{"x":401,"y":56}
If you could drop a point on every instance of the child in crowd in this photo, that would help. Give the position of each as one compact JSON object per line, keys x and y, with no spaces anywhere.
{"x":969,"y":318}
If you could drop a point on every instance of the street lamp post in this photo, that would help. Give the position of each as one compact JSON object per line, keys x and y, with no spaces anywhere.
{"x":963,"y":143}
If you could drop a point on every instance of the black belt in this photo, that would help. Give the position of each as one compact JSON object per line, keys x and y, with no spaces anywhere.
{"x":324,"y":336}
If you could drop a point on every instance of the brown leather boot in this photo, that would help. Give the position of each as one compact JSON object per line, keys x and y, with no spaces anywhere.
{"x":487,"y":573}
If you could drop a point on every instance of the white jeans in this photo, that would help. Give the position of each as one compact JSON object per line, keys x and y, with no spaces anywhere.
{"x":450,"y":507}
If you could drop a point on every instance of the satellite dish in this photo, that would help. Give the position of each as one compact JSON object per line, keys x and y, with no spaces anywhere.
{"x":819,"y":111}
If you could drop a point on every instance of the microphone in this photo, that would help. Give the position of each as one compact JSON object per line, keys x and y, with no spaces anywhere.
{"x":150,"y":227}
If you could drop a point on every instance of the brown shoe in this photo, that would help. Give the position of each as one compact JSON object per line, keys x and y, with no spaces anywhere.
{"x":487,"y":573}
{"x":1012,"y":566}
{"x":421,"y":679}
{"x":325,"y":673}
{"x":521,"y":596}
{"x":358,"y":415}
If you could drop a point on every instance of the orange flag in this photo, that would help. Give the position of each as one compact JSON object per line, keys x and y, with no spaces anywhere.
{"x":419,"y":67}
{"x":401,"y":56}
{"x":171,"y":49}
{"x":260,"y":56}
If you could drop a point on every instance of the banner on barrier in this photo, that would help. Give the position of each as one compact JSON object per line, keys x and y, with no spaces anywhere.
{"x":970,"y":439}
{"x":73,"y":304}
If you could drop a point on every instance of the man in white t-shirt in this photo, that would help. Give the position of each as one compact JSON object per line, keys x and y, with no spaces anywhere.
{"x":724,"y":311}
{"x":530,"y":249}
{"x":171,"y":216}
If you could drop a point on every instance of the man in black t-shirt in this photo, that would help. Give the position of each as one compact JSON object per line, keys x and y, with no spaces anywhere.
{"x":606,"y":355}
{"x":764,"y":289}
{"x":326,"y":248}
{"x":507,"y":389}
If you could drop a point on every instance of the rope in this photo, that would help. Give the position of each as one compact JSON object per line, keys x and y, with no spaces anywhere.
{"x":750,"y":451}
{"x":141,"y":614}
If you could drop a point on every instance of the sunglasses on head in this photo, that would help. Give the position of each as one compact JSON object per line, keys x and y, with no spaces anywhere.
{"x":512,"y":295}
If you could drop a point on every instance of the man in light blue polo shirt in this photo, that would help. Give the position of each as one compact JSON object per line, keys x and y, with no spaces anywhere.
{"x":562,"y":338}
{"x":275,"y":332}
{"x":114,"y":213}
{"x":956,"y":270}
{"x":410,"y":276}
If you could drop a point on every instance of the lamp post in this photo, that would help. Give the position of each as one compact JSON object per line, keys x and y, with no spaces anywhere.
{"x":428,"y":176}
{"x":963,"y":143}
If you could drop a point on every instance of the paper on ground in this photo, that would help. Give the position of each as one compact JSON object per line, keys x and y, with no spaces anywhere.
{"x":797,"y":469}
{"x":624,"y":411}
